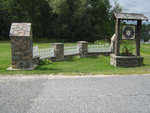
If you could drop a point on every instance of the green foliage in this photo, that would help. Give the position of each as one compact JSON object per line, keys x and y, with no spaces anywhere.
{"x":117,"y":8}
{"x":60,"y":20}
{"x":127,"y":47}
{"x":45,"y":62}
{"x":4,"y":19}
{"x":146,"y":32}
{"x":101,"y":42}
{"x":126,"y":51}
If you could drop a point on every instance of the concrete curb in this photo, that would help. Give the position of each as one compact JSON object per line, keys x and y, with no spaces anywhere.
{"x":20,"y":76}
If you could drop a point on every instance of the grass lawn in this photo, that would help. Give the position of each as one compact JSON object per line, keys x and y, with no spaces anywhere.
{"x":75,"y":65}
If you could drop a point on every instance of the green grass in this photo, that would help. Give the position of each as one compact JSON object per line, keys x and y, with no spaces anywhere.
{"x":75,"y":65}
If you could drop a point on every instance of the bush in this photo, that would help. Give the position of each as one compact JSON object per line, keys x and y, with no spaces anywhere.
{"x":45,"y":62}
{"x":127,"y":51}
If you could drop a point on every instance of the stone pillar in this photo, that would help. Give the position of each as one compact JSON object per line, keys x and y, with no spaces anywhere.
{"x":58,"y":51}
{"x":21,"y":46}
{"x":83,"y":48}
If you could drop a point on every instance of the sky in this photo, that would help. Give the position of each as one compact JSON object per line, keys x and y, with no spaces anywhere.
{"x":135,"y":6}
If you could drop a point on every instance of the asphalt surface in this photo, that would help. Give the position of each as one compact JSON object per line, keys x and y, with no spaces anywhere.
{"x":113,"y":94}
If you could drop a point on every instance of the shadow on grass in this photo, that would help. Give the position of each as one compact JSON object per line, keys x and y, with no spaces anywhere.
{"x":47,"y":69}
{"x":71,"y":58}
{"x":133,"y":67}
{"x":146,"y":65}
{"x":75,"y":58}
{"x":93,"y":57}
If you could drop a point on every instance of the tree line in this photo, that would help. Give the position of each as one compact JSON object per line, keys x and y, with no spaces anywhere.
{"x":146,"y":32}
{"x":60,"y":20}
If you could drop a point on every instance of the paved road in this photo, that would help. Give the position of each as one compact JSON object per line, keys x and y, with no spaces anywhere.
{"x":121,"y":94}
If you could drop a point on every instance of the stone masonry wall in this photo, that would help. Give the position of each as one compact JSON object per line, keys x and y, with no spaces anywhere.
{"x":58,"y":51}
{"x":126,"y":61}
{"x":83,"y":48}
{"x":21,"y":46}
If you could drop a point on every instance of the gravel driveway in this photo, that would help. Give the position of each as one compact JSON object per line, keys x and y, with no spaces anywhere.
{"x":99,"y":94}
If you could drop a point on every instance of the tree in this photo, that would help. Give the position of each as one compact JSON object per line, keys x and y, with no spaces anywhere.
{"x":4,"y":20}
{"x":115,"y":9}
{"x":146,"y":32}
{"x":38,"y":12}
{"x":61,"y":20}
{"x":82,"y":19}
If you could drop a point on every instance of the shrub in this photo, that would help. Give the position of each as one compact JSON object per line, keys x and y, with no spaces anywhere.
{"x":45,"y":62}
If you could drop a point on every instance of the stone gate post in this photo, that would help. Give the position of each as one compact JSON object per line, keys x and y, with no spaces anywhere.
{"x":83,"y":48}
{"x":21,"y":46}
{"x":58,"y":51}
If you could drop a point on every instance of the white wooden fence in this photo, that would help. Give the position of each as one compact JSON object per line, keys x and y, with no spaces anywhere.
{"x":43,"y":53}
{"x":71,"y":50}
{"x":49,"y":52}
{"x":98,"y":48}
{"x":35,"y":51}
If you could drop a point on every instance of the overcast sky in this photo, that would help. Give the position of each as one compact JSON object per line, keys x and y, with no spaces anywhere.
{"x":135,"y":6}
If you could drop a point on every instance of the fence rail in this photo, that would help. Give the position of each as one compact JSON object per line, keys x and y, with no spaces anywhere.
{"x":99,"y":48}
{"x":43,"y":53}
{"x":71,"y":50}
{"x":49,"y":52}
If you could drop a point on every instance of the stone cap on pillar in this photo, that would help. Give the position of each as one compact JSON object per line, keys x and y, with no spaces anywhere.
{"x":20,"y":30}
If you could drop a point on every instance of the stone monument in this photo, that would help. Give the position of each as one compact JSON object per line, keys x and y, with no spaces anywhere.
{"x":21,"y":46}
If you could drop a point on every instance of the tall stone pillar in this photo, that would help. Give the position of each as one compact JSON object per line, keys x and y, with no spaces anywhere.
{"x":83,"y":48}
{"x":58,"y":51}
{"x":21,"y":46}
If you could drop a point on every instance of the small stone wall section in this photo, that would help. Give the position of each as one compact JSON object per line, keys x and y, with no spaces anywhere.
{"x":83,"y":48}
{"x":126,"y":61}
{"x":21,"y":45}
{"x":58,"y":51}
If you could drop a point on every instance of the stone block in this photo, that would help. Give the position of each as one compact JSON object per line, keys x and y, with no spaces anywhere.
{"x":83,"y":48}
{"x":126,"y":61}
{"x":21,"y":45}
{"x":58,"y":51}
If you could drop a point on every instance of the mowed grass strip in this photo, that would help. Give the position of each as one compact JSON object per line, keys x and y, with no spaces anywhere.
{"x":74,"y":65}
